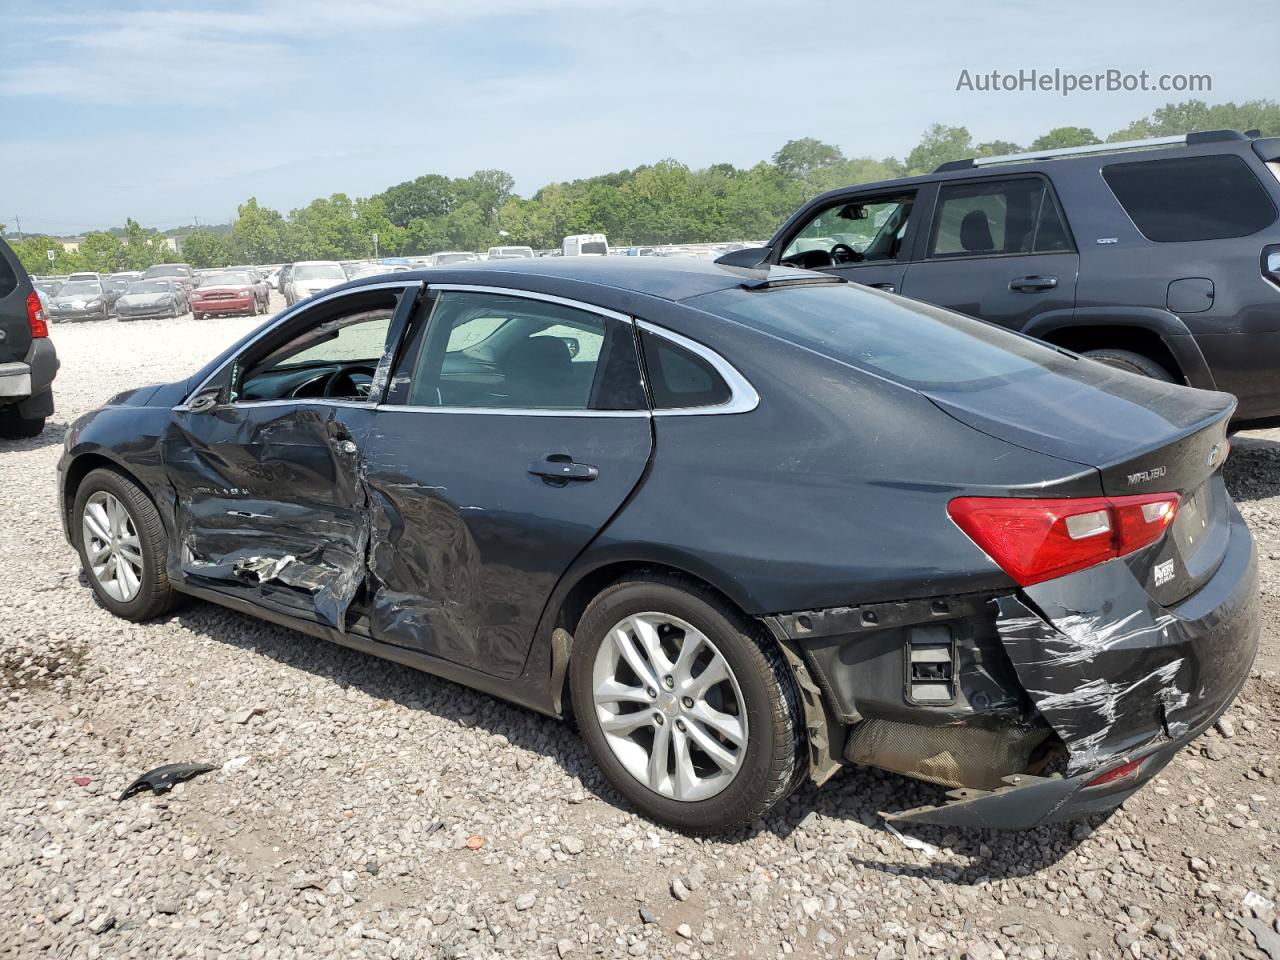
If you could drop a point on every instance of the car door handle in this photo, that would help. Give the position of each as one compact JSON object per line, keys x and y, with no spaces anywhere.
{"x":886,"y":287}
{"x":560,"y":468}
{"x":1032,"y":284}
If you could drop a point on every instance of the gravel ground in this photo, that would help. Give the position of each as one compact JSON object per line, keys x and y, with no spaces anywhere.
{"x":364,"y":809}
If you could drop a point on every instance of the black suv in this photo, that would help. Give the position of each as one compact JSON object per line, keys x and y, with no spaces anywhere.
{"x":27,"y":359}
{"x":1158,"y":256}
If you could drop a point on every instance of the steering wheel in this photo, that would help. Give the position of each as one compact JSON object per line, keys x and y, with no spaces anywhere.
{"x":843,"y":253}
{"x":342,"y":383}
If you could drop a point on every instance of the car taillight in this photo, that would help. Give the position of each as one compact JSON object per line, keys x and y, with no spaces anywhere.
{"x":1271,"y":264}
{"x":35,"y":316}
{"x":1037,"y":540}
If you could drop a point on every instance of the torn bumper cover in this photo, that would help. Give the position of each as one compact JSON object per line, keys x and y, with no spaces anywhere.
{"x":1124,"y":682}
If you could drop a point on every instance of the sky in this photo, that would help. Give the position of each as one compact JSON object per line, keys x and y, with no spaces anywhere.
{"x":171,"y":112}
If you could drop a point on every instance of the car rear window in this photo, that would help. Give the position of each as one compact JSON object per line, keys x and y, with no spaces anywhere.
{"x":912,"y":343}
{"x":1191,"y":198}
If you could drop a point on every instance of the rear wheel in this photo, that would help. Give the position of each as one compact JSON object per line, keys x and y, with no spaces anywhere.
{"x":1132,"y":362}
{"x":14,"y":426}
{"x":122,"y":546}
{"x":690,"y":711}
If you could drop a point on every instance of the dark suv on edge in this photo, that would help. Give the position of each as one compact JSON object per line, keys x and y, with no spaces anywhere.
{"x":27,"y":358}
{"x":1158,"y":256}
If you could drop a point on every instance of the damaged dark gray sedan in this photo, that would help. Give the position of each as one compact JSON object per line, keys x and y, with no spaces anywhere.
{"x":747,"y":526}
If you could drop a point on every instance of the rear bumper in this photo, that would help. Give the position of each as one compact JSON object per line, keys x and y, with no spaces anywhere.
{"x":1086,"y":667}
{"x":30,"y":376}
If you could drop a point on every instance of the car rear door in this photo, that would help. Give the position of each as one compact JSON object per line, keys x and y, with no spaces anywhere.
{"x":515,"y":426}
{"x":264,"y":459}
{"x":997,"y":249}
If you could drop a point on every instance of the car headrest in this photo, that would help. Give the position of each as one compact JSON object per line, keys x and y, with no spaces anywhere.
{"x":975,"y":232}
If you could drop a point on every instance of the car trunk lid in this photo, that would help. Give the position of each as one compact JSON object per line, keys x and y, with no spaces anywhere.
{"x":1141,"y":435}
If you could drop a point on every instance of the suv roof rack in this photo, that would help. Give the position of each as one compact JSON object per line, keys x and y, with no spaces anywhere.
{"x":1188,"y":139}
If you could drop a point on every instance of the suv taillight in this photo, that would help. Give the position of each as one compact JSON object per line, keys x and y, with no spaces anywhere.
{"x":1271,"y":264}
{"x":35,"y":316}
{"x":1036,"y":540}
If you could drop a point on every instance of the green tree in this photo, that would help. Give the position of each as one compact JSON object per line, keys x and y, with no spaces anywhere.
{"x":204,"y":248}
{"x":1191,"y":115}
{"x":424,"y":197}
{"x":259,"y":235}
{"x":1060,"y":137}
{"x":799,"y":158}
{"x":939,"y":144}
{"x":996,"y":148}
{"x":103,"y":252}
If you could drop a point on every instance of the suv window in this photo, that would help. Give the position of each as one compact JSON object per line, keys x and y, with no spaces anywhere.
{"x":874,"y":228}
{"x":997,"y":218}
{"x":494,"y":351}
{"x":678,"y":378}
{"x":8,"y":277}
{"x":1191,"y":198}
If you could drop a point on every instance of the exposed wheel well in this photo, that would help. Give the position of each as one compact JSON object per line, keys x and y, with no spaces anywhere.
{"x":1140,"y":340}
{"x":80,"y":468}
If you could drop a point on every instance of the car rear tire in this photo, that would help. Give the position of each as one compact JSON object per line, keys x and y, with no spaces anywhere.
{"x":14,"y":426}
{"x":1132,"y":362}
{"x":122,"y":545}
{"x":703,"y":742}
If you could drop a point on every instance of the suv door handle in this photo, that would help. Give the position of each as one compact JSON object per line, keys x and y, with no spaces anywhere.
{"x":886,"y":287}
{"x":1032,"y":284}
{"x":560,"y":468}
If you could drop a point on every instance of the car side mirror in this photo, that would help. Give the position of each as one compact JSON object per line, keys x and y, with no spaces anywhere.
{"x":205,"y":400}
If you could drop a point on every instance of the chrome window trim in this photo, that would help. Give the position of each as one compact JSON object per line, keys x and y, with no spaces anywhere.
{"x":742,"y":395}
{"x":515,"y":411}
{"x":287,"y":314}
{"x":534,"y":295}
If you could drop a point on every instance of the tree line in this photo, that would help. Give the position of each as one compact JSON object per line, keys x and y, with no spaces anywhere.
{"x":663,"y":202}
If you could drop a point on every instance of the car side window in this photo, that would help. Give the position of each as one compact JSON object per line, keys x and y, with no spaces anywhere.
{"x":506,"y":352}
{"x":679,"y":379}
{"x":997,"y":218}
{"x":334,"y":356}
{"x":874,"y":228}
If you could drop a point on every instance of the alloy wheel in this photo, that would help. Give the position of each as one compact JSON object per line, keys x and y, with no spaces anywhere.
{"x":112,"y":546}
{"x":669,"y":706}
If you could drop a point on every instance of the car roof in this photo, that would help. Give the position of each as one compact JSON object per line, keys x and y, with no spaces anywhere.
{"x":667,"y":278}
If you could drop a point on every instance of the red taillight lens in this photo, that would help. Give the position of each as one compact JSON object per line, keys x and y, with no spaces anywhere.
{"x":35,"y":316}
{"x":1037,"y":540}
{"x":1123,"y":772}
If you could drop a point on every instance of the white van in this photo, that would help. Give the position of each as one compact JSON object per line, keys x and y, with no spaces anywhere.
{"x":585,"y":245}
{"x":510,"y":253}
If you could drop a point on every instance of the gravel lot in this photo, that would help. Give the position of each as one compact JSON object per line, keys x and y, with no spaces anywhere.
{"x":364,"y":809}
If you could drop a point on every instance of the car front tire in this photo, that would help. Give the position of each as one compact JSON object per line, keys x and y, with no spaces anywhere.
{"x":687,"y":706}
{"x":122,"y":545}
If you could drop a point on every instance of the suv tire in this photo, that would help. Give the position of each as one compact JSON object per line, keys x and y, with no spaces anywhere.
{"x":14,"y":426}
{"x":757,"y":701}
{"x":1132,"y":362}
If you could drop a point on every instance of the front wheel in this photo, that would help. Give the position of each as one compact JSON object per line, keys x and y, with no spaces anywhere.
{"x":122,"y":546}
{"x":689,"y":709}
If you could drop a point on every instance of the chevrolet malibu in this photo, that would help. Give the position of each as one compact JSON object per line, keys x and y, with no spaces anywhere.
{"x":745,"y":525}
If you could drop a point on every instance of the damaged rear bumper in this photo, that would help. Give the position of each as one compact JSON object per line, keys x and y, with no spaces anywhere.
{"x":1109,"y":676}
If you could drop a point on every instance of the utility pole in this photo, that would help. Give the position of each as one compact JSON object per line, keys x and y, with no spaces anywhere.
{"x":18,"y":220}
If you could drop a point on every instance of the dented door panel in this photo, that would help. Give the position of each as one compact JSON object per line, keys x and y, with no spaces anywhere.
{"x":465,"y":544}
{"x":1113,"y":672}
{"x":269,"y":496}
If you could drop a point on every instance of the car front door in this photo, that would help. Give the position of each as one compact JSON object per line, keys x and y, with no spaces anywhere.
{"x":999,"y":250}
{"x":866,"y":238}
{"x":515,"y":426}
{"x":264,"y":458}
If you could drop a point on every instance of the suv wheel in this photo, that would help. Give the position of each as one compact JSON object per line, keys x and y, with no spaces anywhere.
{"x":1132,"y":362}
{"x":14,"y":426}
{"x":690,"y":711}
{"x":122,"y":546}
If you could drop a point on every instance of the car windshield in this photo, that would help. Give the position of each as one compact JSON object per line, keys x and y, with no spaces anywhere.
{"x":595,"y":246}
{"x":81,"y":288}
{"x":318,"y":271}
{"x":444,"y":258}
{"x":150,"y":286}
{"x":166,"y":271}
{"x":226,"y":280}
{"x":912,"y":343}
